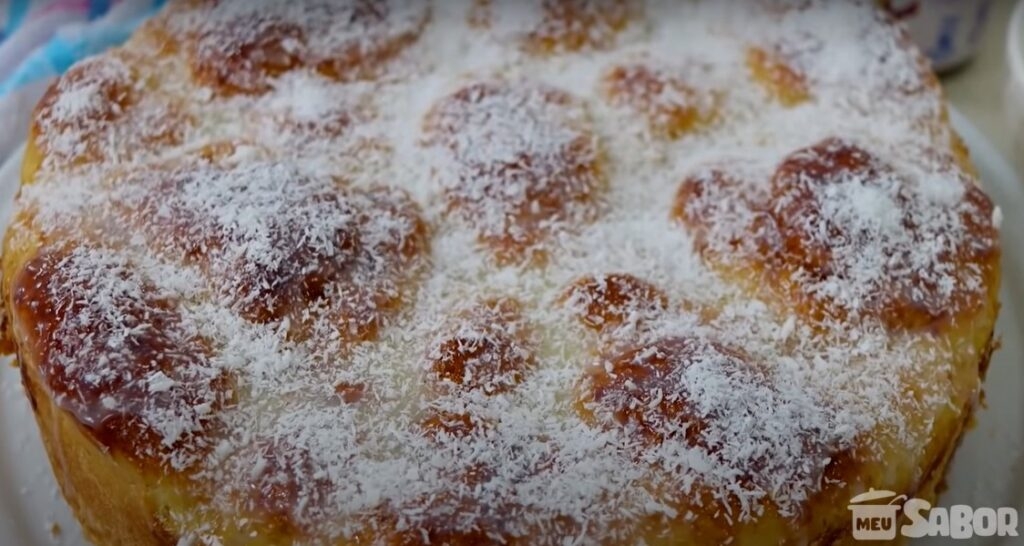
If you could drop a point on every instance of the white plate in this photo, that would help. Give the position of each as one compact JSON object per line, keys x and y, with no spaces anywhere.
{"x":988,"y":469}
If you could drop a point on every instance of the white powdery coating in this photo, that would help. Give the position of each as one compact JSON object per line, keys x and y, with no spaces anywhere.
{"x":873,"y":221}
{"x":816,"y":396}
{"x":80,"y":100}
{"x":83,"y":102}
{"x":501,"y":127}
{"x":518,"y":23}
{"x":119,"y":320}
{"x":329,"y":29}
{"x":267,"y":210}
{"x":505,"y":146}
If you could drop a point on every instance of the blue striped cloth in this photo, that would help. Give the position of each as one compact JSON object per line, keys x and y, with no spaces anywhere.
{"x":42,"y":38}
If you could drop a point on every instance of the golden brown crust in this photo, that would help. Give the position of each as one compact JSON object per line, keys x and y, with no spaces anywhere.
{"x":231,"y":58}
{"x":109,"y":495}
{"x":789,"y":238}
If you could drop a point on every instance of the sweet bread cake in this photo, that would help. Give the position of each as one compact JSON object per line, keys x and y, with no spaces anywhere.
{"x":488,"y":272}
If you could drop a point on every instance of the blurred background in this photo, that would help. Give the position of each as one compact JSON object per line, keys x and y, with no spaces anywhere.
{"x":968,"y":43}
{"x":977,"y":45}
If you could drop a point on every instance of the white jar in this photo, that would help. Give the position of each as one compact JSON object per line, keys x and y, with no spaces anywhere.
{"x":948,"y":31}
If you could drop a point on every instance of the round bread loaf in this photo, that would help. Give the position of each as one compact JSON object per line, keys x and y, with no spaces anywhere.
{"x":488,"y":272}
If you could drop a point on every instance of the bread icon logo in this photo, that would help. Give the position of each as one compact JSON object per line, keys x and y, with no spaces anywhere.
{"x":874,"y":521}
